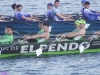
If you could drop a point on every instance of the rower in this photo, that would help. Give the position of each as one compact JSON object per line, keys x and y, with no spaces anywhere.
{"x":8,"y":37}
{"x":49,"y":10}
{"x":79,"y":32}
{"x":88,"y":14}
{"x":41,"y":31}
{"x":96,"y":35}
{"x":41,"y":36}
{"x":56,"y":15}
{"x":14,"y":6}
{"x":83,"y":2}
{"x":83,"y":5}
{"x":22,"y":17}
{"x":15,"y":10}
{"x":41,"y":27}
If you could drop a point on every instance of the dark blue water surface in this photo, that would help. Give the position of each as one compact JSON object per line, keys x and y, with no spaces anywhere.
{"x":79,"y":64}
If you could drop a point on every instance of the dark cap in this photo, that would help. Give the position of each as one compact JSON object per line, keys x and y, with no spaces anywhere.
{"x":57,"y":1}
{"x":10,"y":27}
{"x":50,"y":4}
{"x":18,"y":6}
{"x":46,"y":24}
{"x":87,"y":3}
{"x":83,"y":1}
{"x":13,"y":6}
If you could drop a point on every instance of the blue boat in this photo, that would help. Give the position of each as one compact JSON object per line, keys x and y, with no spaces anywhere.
{"x":57,"y":27}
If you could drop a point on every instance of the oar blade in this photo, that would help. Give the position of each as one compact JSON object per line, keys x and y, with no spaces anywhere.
{"x":38,"y":52}
{"x":57,"y":39}
{"x":81,"y":48}
{"x":50,"y":28}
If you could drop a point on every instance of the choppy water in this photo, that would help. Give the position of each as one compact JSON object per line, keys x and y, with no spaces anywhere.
{"x":84,"y":64}
{"x":39,"y":6}
{"x":79,"y":64}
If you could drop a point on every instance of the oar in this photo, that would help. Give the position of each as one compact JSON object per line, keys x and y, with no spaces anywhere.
{"x":11,"y":45}
{"x":82,"y":48}
{"x":39,"y":51}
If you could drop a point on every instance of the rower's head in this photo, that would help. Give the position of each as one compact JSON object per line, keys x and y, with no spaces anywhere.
{"x":41,"y":25}
{"x":9,"y":30}
{"x":82,"y":23}
{"x":56,"y":3}
{"x":19,"y":7}
{"x":50,"y":6}
{"x":77,"y":23}
{"x":45,"y":27}
{"x":87,"y":4}
{"x":83,"y":2}
{"x":14,"y":6}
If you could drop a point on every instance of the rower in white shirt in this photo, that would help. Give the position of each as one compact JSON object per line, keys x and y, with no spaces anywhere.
{"x":56,"y":15}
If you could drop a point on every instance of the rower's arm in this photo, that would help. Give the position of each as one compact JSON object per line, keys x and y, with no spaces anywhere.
{"x":92,"y":13}
{"x":45,"y":35}
{"x":80,"y":33}
{"x":28,"y":15}
{"x":61,"y":16}
{"x":26,"y":18}
{"x":97,"y":33}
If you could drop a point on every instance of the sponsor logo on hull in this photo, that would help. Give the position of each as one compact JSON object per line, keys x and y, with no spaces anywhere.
{"x":54,"y":47}
{"x":62,"y":46}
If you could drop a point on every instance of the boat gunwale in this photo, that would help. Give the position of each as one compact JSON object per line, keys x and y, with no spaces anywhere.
{"x":49,"y":42}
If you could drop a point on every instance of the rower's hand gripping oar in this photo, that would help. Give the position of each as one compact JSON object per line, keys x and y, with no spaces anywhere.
{"x":82,"y":48}
{"x":39,"y":51}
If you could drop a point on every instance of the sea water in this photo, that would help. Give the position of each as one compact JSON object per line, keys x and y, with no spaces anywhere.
{"x":78,"y":64}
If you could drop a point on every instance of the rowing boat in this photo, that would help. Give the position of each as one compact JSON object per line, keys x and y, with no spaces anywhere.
{"x":57,"y":27}
{"x":58,"y":48}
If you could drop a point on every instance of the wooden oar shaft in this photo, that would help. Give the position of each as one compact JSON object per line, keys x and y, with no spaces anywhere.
{"x":49,"y":45}
{"x":91,"y":40}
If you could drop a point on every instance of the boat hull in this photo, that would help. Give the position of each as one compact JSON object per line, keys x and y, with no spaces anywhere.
{"x":58,"y":48}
